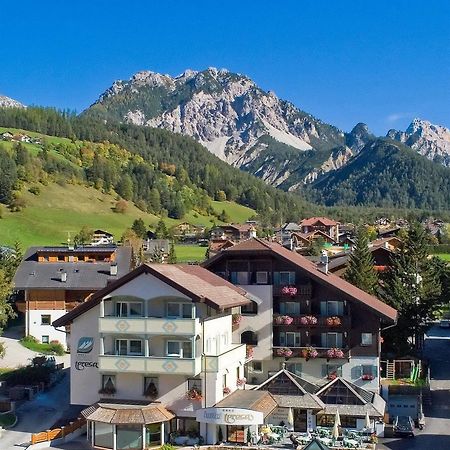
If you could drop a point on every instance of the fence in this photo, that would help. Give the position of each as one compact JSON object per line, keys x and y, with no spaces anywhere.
{"x":57,"y":433}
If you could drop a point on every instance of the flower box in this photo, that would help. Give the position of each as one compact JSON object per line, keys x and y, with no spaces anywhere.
{"x":309,"y":352}
{"x":367,"y":377}
{"x":107,"y":390}
{"x":283,"y":320}
{"x":241,"y":381}
{"x":332,"y":376}
{"x":236,"y":319}
{"x":226,"y":390}
{"x":308,"y":320}
{"x":290,"y":291}
{"x":334,"y":353}
{"x":286,"y":352}
{"x":194,"y":394}
{"x":333,"y":321}
{"x":249,"y":352}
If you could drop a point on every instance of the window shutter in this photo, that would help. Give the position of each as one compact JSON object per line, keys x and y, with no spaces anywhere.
{"x":276,"y":278}
{"x":291,"y":277}
{"x":339,"y":340}
{"x":297,"y":339}
{"x":356,"y":372}
{"x":324,"y":370}
{"x":324,"y":340}
{"x":340,"y":308}
{"x":234,"y":277}
{"x":282,"y":338}
{"x":323,"y":308}
{"x":282,"y":308}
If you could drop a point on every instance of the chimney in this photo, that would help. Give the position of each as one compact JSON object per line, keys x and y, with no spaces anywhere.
{"x":113,"y":269}
{"x":323,"y":265}
{"x":63,"y":276}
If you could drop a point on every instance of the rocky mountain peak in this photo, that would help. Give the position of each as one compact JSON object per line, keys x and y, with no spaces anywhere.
{"x":428,"y":139}
{"x":359,"y":137}
{"x":7,"y":102}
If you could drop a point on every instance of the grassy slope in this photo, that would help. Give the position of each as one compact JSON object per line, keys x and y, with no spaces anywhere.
{"x":49,"y":217}
{"x":189,"y":253}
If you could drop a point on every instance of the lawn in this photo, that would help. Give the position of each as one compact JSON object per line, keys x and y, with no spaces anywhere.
{"x":190,"y":253}
{"x":237,"y":213}
{"x":443,"y":256}
{"x":6,"y":420}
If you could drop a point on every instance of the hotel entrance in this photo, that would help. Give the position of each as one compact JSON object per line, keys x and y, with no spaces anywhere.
{"x":300,"y":420}
{"x":236,"y":434}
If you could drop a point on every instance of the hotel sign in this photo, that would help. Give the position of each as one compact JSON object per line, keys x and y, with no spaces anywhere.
{"x":229,"y":416}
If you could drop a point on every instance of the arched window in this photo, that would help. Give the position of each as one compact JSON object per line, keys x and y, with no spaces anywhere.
{"x":249,"y":337}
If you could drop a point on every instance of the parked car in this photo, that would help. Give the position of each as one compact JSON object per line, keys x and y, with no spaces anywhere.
{"x":404,"y":426}
{"x":444,"y":323}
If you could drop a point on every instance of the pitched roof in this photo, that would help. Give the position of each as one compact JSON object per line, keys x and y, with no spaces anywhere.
{"x":199,"y":284}
{"x":126,"y":413}
{"x":90,"y":276}
{"x":258,"y":246}
{"x":261,"y":401}
{"x":323,"y":220}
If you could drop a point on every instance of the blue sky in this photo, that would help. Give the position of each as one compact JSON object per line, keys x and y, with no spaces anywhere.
{"x":379,"y":62}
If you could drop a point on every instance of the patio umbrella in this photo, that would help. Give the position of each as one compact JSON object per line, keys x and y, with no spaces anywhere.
{"x":335,"y":431}
{"x":290,"y":418}
{"x":337,"y":418}
{"x":367,"y":423}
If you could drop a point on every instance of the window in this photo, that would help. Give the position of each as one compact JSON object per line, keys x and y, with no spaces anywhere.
{"x":103,"y":435}
{"x":261,"y":277}
{"x":242,"y":277}
{"x":290,"y":308}
{"x":109,"y":382}
{"x":128,"y":309}
{"x":366,"y":339}
{"x":285,"y":278}
{"x":290,"y":339}
{"x":131,"y":347}
{"x":332,"y":308}
{"x":151,"y":387}
{"x":194,"y":383}
{"x":294,"y":368}
{"x":369,"y":371}
{"x":329,"y":370}
{"x":250,"y":309}
{"x":180,"y":310}
{"x":332,"y":340}
{"x":45,"y":339}
{"x":180,"y":349}
{"x":46,"y":319}
{"x":256,"y":366}
{"x":249,"y":337}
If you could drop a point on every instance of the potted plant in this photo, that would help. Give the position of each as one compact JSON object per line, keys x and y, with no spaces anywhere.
{"x":194,"y":394}
{"x":107,"y":390}
{"x":241,"y":381}
{"x":236,"y":319}
{"x":287,"y":320}
{"x":367,"y":377}
{"x":278,"y":320}
{"x":151,"y":391}
{"x":309,"y":320}
{"x":333,"y":321}
{"x":249,"y":352}
{"x":290,"y":291}
{"x":332,"y":376}
{"x":226,"y":390}
{"x":286,"y":352}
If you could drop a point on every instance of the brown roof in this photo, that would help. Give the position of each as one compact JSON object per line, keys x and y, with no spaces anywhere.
{"x":199,"y":284}
{"x":262,"y":401}
{"x":323,"y":220}
{"x":125,"y":413}
{"x":256,"y":245}
{"x":218,"y":244}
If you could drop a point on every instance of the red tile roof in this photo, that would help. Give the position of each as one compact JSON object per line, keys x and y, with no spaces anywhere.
{"x":314,"y":220}
{"x":199,"y":284}
{"x":333,"y":281}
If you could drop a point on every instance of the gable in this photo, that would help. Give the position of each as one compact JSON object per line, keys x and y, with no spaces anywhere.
{"x":339,"y":393}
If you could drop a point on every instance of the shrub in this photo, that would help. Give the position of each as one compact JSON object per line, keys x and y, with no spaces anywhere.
{"x":36,"y":190}
{"x":29,"y":339}
{"x":18,"y":203}
{"x":57,"y":348}
{"x":167,"y":447}
{"x":121,"y":207}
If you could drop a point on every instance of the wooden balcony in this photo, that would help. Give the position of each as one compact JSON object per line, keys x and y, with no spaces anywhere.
{"x":311,"y":321}
{"x":302,"y":352}
{"x":303,"y":291}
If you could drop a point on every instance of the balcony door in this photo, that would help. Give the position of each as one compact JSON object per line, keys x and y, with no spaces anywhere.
{"x":129,"y":309}
{"x":332,"y":340}
{"x":179,"y":349}
{"x":129,"y":347}
{"x":290,"y":339}
{"x":178,"y":310}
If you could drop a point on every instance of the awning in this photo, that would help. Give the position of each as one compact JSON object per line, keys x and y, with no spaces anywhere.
{"x":127,"y":413}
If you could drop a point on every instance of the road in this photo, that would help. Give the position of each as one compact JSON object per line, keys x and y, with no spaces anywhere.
{"x":436,"y":435}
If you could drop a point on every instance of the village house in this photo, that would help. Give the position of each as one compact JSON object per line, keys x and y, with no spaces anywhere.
{"x":160,"y":339}
{"x":233,"y":232}
{"x":102,"y":237}
{"x":325,"y":326}
{"x":328,"y":226}
{"x":53,"y":280}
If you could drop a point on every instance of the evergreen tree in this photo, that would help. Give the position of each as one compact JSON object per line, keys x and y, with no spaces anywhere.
{"x":161,"y":231}
{"x":316,"y":246}
{"x":172,"y":259}
{"x":412,"y":285}
{"x":360,"y":270}
{"x":84,"y":236}
{"x":139,"y":228}
{"x":125,"y":187}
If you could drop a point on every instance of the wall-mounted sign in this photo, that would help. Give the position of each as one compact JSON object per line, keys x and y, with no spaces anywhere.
{"x":85,"y":344}
{"x":230,"y":416}
{"x":81,"y":365}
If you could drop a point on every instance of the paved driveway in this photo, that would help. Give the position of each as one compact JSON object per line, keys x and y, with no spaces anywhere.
{"x":17,"y":354}
{"x":436,"y":435}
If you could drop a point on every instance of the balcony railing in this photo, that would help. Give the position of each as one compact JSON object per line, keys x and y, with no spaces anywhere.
{"x":312,"y":321}
{"x":149,"y":325}
{"x":311,"y":352}
{"x":150,"y":364}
